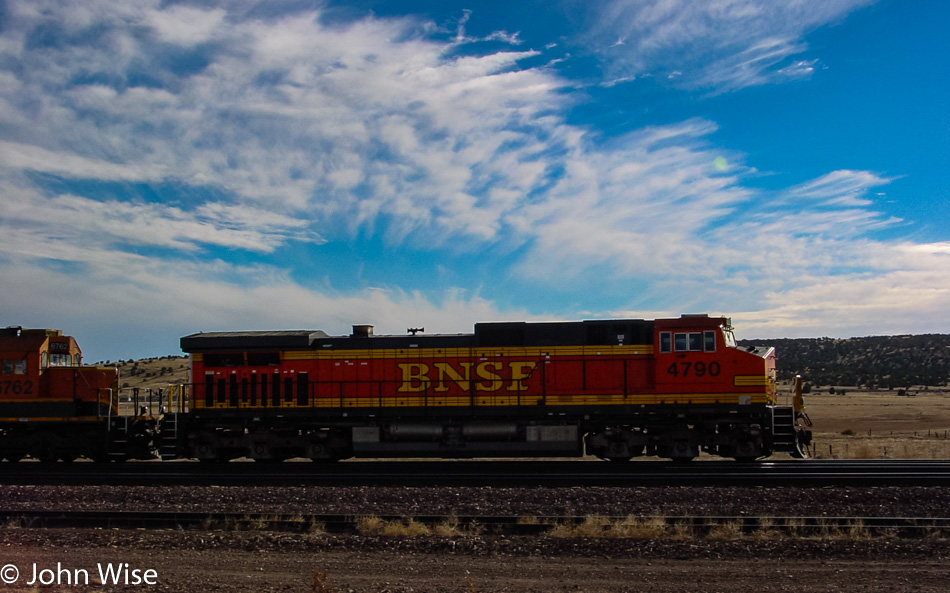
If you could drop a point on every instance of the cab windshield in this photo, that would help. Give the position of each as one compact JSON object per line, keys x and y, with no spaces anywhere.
{"x":729,"y":337}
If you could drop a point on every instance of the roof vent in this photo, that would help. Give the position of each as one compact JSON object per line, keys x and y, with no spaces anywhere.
{"x":362,"y":331}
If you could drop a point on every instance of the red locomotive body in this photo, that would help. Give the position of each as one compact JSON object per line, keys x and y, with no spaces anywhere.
{"x":53,"y":408}
{"x":615,"y":388}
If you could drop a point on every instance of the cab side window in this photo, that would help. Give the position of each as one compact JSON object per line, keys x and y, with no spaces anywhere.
{"x":709,"y":341}
{"x":13,"y":367}
{"x":704,"y":341}
{"x":681,"y":342}
{"x":695,"y":342}
{"x":60,"y":360}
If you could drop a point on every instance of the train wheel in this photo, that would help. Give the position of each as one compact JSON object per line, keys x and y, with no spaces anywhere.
{"x":746,"y":450}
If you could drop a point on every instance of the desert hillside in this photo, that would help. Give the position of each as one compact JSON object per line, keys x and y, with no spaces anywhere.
{"x":154,"y":373}
{"x":871,"y":363}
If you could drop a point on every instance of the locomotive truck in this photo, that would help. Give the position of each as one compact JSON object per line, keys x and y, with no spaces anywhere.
{"x":614,"y":389}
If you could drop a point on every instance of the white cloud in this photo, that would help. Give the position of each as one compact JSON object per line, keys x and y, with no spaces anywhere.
{"x":842,"y":188}
{"x":752,"y":66}
{"x":286,"y":130}
{"x":913,"y":298}
{"x":74,"y":226}
{"x":131,"y":306}
{"x":288,"y":113}
{"x":17,"y":156}
{"x":643,"y":207}
{"x":722,"y":45}
{"x":185,"y":25}
{"x":910,"y":296}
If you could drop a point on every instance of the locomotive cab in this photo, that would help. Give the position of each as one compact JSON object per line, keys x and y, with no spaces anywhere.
{"x":52,"y":407}
{"x":697,"y":359}
{"x":727,"y":393}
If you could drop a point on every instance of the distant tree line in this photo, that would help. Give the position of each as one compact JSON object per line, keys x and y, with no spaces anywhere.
{"x":876,"y":362}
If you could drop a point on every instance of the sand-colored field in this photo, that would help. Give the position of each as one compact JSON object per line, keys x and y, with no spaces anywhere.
{"x":881,"y":424}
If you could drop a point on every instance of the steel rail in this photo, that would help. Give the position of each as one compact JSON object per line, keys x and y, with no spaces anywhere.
{"x":810,"y":473}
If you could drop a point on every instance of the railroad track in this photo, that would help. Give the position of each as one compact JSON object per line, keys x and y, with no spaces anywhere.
{"x":489,"y":473}
{"x":452,"y":525}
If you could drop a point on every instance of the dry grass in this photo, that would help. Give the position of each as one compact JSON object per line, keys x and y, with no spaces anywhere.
{"x":449,"y":527}
{"x":765,"y":528}
{"x":641,"y":527}
{"x":837,"y":446}
{"x":20,"y":522}
{"x":409,"y":528}
{"x":593,"y":526}
{"x":856,"y":530}
{"x":880,"y":425}
{"x":656,"y":527}
{"x":725,"y":531}
{"x":629,"y":527}
{"x":370,"y":525}
{"x":300,"y":523}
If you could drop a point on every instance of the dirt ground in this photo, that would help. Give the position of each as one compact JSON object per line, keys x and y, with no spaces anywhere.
{"x":260,"y":560}
{"x":230,"y":562}
{"x":876,"y":425}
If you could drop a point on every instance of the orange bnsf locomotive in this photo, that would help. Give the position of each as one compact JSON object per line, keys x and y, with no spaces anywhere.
{"x":52,"y":407}
{"x":615,"y":389}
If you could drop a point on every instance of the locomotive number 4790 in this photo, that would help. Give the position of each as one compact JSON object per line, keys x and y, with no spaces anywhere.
{"x":694,"y":369}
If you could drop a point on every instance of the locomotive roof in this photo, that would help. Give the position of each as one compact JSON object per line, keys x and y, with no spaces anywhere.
{"x":493,"y":334}
{"x":21,"y":344}
{"x":18,"y":339}
{"x":251,"y":340}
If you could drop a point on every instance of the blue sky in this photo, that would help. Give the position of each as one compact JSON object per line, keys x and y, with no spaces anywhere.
{"x":173,"y":167}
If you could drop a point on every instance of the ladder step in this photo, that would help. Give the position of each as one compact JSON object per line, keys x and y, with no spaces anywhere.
{"x":784,"y":436}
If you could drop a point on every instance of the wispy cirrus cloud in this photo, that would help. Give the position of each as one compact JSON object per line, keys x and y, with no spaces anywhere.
{"x":282,"y":134}
{"x":840,"y":188}
{"x":909,"y":292}
{"x":721,"y":46}
{"x":79,"y":222}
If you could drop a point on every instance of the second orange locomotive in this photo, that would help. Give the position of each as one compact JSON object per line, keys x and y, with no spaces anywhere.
{"x":54,"y":408}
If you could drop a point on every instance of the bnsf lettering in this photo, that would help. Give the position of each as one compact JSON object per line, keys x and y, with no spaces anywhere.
{"x":445,"y":370}
{"x":490,"y":376}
